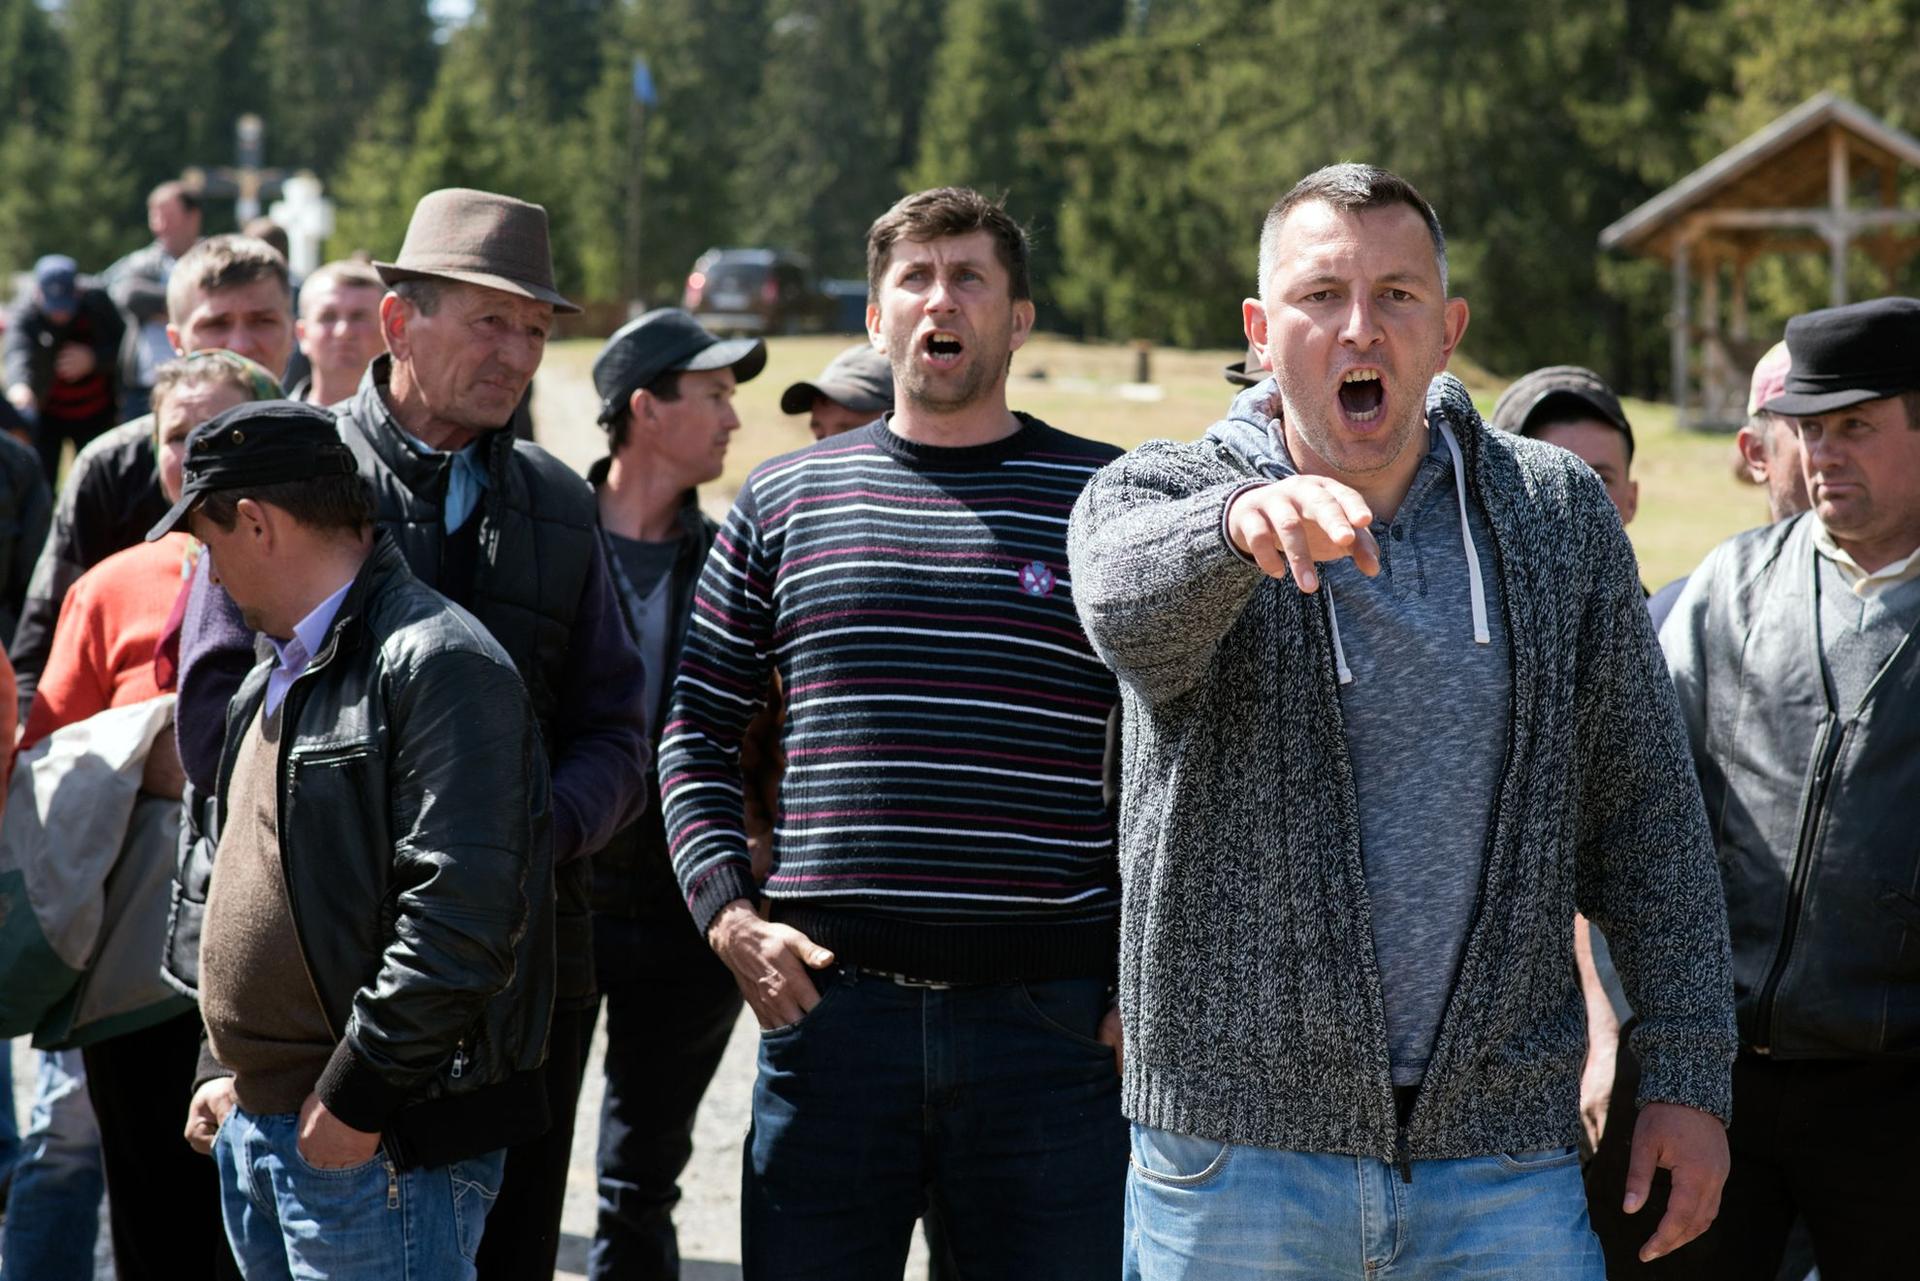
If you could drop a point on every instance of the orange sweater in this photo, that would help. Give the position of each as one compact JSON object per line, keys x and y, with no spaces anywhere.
{"x":104,"y":642}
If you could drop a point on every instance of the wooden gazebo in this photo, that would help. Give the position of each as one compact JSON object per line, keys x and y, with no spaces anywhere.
{"x":1823,"y":177}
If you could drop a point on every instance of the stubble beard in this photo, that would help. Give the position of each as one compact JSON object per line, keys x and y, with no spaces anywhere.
{"x":917,"y":387}
{"x":1326,"y":440}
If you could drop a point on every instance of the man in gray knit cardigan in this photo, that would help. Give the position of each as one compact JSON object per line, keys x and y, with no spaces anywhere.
{"x":1393,"y":713}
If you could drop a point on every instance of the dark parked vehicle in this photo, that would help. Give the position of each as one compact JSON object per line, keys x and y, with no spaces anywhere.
{"x":757,"y":291}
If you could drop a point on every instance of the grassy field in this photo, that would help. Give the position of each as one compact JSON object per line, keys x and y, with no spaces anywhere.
{"x":1689,"y":497}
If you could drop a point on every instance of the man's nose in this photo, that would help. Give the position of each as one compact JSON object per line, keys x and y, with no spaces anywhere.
{"x":940,"y":296}
{"x":1361,"y":328}
{"x":522,"y":353}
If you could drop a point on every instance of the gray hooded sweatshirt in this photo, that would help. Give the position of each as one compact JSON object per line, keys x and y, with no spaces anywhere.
{"x":1424,"y":697}
{"x":1251,"y":983}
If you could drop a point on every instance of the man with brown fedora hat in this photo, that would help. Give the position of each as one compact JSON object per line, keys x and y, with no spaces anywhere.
{"x":511,"y":533}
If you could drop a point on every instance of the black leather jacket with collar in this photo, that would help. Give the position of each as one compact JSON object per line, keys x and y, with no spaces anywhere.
{"x":413,"y":811}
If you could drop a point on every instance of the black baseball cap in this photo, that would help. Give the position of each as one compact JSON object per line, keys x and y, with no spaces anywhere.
{"x":859,"y":378}
{"x":260,"y":442}
{"x":1572,"y":387}
{"x":1843,"y":356}
{"x":662,"y":341}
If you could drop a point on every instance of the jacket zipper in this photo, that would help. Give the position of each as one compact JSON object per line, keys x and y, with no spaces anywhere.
{"x":1825,"y":756}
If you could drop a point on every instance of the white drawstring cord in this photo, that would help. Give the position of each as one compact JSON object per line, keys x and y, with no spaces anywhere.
{"x":1340,"y":667}
{"x":1481,"y":636}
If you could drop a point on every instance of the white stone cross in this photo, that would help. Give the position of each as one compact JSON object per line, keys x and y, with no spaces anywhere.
{"x":308,"y":218}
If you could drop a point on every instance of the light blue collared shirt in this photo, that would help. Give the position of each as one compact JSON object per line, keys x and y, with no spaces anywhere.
{"x":308,"y":635}
{"x":465,"y":482}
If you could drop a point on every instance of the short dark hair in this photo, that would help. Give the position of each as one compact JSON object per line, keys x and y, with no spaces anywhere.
{"x":1911,"y":399}
{"x":265,"y":228}
{"x":423,"y":295}
{"x":223,"y":262}
{"x":334,"y":503}
{"x":174,"y":189}
{"x":1351,"y":188}
{"x":949,"y":211}
{"x":666,"y":387}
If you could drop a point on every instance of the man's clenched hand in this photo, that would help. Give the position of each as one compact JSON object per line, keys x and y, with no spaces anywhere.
{"x":208,"y":1112}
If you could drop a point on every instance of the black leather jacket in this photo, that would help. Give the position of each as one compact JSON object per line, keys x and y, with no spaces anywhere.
{"x":1813,"y":806}
{"x":414,"y":838}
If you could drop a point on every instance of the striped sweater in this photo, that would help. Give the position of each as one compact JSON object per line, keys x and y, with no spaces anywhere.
{"x":943,"y":813}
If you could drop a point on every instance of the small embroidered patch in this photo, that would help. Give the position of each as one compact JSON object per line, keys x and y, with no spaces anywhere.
{"x":1036,"y":579}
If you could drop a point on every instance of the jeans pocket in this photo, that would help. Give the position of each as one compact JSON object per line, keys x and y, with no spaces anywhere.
{"x":1068,"y":1008}
{"x":826,"y":987}
{"x":1176,"y":1160}
{"x":341,"y":1173}
{"x":476,"y":1186}
{"x":1538,"y":1159}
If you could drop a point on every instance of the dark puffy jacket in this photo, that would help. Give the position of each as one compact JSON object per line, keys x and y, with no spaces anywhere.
{"x":26,"y":513}
{"x":33,"y":340}
{"x":110,"y":500}
{"x":413,"y":806}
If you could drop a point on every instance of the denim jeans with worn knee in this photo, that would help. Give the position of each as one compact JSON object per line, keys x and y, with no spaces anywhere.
{"x":371,"y":1222}
{"x":53,"y":1209}
{"x":1202,"y":1210}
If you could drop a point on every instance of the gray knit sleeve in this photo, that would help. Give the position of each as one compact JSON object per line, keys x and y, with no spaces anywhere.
{"x":1156,"y":582}
{"x":1647,"y":875}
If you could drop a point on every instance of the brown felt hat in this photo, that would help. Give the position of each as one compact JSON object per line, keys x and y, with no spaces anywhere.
{"x":478,"y":238}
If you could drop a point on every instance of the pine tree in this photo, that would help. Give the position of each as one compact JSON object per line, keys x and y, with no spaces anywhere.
{"x":328,"y":67}
{"x":983,"y":105}
{"x":814,"y":174}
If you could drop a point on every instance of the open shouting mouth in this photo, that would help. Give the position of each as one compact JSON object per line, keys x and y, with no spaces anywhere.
{"x":1361,"y":395}
{"x":943,"y":348}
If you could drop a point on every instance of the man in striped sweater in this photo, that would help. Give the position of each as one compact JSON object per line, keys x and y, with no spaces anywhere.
{"x":931,"y":956}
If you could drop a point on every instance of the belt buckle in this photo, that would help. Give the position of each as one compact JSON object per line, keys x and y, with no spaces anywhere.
{"x":907,"y":980}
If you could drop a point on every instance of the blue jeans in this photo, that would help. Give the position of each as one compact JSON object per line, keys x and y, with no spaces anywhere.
{"x":53,"y":1210}
{"x":1201,"y":1210}
{"x":370,"y":1221}
{"x":995,"y":1101}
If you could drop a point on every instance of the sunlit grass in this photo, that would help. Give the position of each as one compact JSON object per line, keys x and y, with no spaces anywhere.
{"x":1689,"y":497}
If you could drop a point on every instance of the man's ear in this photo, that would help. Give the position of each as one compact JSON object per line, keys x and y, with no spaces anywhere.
{"x":173,"y":339}
{"x":1753,"y":455}
{"x":874,"y":336}
{"x":1023,"y":318}
{"x":256,"y":521}
{"x":395,"y":313}
{"x":1456,"y":323}
{"x":1253,"y":320}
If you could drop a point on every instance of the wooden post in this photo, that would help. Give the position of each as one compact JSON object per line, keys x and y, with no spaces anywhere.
{"x":1838,"y":230}
{"x":1740,"y":323}
{"x":1680,"y":320}
{"x":1142,"y":360}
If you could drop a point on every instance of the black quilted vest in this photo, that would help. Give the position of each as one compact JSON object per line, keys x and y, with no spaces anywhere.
{"x":530,"y":547}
